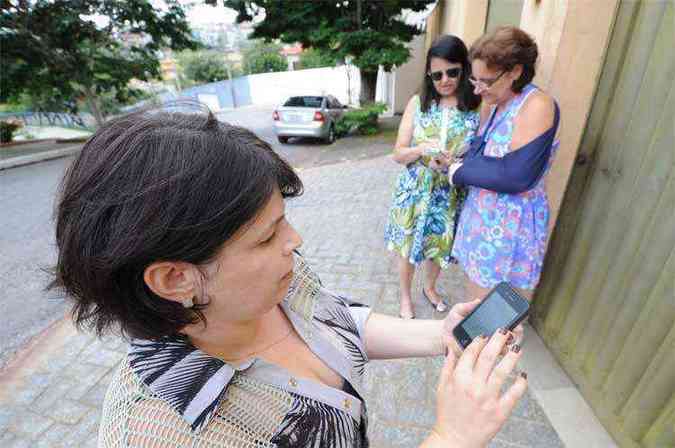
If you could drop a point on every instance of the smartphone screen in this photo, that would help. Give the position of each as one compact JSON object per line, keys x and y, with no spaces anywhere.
{"x":495,"y":313}
{"x":502,"y":308}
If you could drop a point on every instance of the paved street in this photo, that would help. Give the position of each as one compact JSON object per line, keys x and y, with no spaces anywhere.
{"x":303,"y":152}
{"x":27,"y":242}
{"x":53,"y":398}
{"x":26,"y":230}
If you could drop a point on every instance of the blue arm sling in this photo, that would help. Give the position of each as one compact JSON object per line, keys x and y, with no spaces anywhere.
{"x":516,"y":172}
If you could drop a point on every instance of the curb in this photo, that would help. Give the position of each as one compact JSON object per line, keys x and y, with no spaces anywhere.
{"x":39,"y":157}
{"x":560,"y":399}
{"x":26,"y":360}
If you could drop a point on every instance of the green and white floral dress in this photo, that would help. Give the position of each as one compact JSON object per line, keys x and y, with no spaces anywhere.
{"x":422,"y":216}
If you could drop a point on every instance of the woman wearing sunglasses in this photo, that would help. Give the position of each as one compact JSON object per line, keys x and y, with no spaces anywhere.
{"x":503,"y":229}
{"x":436,"y":124}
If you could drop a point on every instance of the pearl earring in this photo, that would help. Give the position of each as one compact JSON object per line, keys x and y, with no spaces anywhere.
{"x":188,"y":303}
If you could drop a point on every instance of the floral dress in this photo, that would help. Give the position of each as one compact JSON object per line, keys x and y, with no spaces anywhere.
{"x":422,"y":216}
{"x":501,"y":236}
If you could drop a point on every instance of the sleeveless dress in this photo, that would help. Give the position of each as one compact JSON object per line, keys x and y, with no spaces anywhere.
{"x":502,"y":236}
{"x":421,"y":220}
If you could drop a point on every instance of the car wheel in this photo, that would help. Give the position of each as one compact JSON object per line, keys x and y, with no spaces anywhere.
{"x":330,"y":139}
{"x":283,"y":139}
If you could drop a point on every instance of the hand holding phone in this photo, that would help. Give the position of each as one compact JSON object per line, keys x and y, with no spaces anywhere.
{"x":503,"y":307}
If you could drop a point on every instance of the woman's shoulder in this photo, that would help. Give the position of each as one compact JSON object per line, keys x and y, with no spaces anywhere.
{"x":535,"y":117}
{"x":537,"y":107}
{"x":414,"y":101}
{"x":413,"y":107}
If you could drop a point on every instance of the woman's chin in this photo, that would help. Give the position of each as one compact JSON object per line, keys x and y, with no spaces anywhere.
{"x":284,"y":285}
{"x":489,"y":100}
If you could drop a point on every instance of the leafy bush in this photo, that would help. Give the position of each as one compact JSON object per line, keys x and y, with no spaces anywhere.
{"x":7,"y":129}
{"x":313,"y":58}
{"x":264,"y":57}
{"x":363,"y":120}
{"x":201,"y":67}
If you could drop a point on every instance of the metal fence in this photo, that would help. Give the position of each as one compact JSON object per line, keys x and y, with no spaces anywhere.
{"x":61,"y":119}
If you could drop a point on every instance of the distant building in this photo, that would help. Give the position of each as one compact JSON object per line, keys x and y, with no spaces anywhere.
{"x":169,"y":69}
{"x":292,"y":55}
{"x":224,"y":36}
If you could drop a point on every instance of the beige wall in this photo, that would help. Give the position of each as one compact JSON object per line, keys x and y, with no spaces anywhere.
{"x":465,"y":19}
{"x":434,"y":23}
{"x":409,"y":77}
{"x":573,"y":37}
{"x":544,"y":20}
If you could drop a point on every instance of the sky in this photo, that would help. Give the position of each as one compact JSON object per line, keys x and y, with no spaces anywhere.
{"x":199,"y":13}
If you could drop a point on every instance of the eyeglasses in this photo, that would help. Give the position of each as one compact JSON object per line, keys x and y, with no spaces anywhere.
{"x":450,"y":73}
{"x":485,"y":84}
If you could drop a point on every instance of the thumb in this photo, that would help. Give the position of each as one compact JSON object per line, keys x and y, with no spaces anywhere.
{"x":449,"y":364}
{"x":466,"y":307}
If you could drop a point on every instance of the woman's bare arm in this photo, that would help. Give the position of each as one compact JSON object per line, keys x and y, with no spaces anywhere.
{"x":534,"y":118}
{"x":403,"y":152}
{"x":388,"y":337}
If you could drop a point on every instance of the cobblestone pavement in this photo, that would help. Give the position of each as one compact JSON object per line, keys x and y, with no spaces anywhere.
{"x":52,"y":398}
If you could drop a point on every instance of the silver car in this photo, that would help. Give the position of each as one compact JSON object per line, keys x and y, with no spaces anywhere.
{"x":307,"y":116}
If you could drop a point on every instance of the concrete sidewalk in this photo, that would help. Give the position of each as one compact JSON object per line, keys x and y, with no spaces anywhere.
{"x":37,"y":151}
{"x":51,"y":396}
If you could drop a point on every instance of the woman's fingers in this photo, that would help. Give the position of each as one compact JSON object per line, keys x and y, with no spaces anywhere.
{"x":448,"y":367}
{"x":466,"y":362}
{"x":510,"y":398}
{"x":488,"y":357}
{"x":503,"y":369}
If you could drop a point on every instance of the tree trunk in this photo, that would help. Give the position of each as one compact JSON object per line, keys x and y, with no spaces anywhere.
{"x":92,"y":101}
{"x":368,"y":86}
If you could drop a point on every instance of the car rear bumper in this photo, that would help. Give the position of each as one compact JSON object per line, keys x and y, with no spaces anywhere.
{"x":314,"y":129}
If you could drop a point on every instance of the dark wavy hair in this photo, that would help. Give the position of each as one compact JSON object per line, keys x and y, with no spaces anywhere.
{"x":452,"y":49}
{"x":155,"y":186}
{"x":506,"y":47}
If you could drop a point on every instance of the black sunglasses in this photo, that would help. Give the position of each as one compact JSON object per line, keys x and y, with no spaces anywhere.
{"x":450,"y":73}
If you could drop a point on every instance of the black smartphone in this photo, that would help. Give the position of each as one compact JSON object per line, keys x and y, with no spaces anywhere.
{"x":502,"y":308}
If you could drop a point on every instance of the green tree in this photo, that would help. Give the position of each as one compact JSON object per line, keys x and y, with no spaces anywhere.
{"x":264,"y":57}
{"x":313,"y":58}
{"x":59,"y":51}
{"x":372,"y":33}
{"x":199,"y":67}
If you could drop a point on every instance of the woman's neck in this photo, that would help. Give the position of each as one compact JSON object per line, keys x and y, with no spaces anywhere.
{"x":241,"y":340}
{"x":507,"y":99}
{"x":447,"y":101}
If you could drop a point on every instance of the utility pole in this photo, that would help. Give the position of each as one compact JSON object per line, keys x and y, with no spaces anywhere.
{"x":229,"y":77}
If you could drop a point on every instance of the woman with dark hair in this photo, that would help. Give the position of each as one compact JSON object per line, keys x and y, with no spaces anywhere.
{"x":171,"y":228}
{"x":503,"y":229}
{"x":435,"y":125}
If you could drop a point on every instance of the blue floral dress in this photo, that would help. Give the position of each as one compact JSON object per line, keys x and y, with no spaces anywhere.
{"x":501,"y":236}
{"x":422,"y":216}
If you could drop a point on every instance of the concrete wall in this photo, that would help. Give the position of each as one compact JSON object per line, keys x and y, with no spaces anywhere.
{"x":465,"y":19}
{"x":573,"y":37}
{"x":409,"y":76}
{"x":274,"y":88}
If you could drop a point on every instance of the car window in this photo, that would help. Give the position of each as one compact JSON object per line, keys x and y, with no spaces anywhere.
{"x":304,"y":101}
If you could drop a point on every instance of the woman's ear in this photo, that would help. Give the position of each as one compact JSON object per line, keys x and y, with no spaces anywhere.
{"x":516,"y":72}
{"x":172,"y":280}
